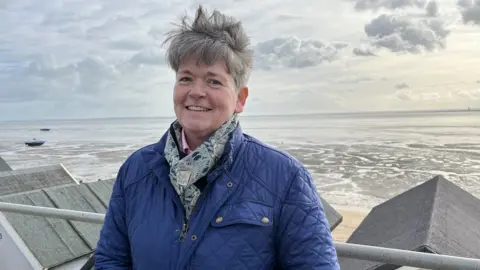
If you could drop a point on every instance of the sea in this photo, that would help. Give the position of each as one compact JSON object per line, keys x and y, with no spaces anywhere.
{"x":356,"y":159}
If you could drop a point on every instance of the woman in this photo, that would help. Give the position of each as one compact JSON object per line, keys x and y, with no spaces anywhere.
{"x":208,"y":196}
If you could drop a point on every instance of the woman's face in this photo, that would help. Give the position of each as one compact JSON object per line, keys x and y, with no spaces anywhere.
{"x":205,"y":98}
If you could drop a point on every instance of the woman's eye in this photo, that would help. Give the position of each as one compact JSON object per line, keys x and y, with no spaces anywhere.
{"x":185,"y":79}
{"x":214,"y":82}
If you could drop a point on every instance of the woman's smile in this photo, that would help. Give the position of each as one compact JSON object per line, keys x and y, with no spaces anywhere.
{"x":197,"y":108}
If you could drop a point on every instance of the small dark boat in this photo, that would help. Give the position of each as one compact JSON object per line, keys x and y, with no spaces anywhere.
{"x":44,"y":129}
{"x":34,"y":142}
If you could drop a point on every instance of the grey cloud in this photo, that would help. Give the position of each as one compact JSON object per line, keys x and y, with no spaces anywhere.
{"x":404,"y":96}
{"x":94,"y":53}
{"x":287,"y":17}
{"x":402,"y":34}
{"x":150,"y":56}
{"x":339,"y":45}
{"x":89,"y":75}
{"x":44,"y":79}
{"x":473,"y":94}
{"x":116,"y":26}
{"x":464,"y":3}
{"x":295,"y":53}
{"x":364,"y":51}
{"x":156,"y":32}
{"x":96,"y":65}
{"x":402,"y":85}
{"x":470,"y":10}
{"x":432,"y":8}
{"x":95,"y":74}
{"x":18,"y":92}
{"x":55,"y":18}
{"x":134,"y":43}
{"x":63,"y":49}
{"x":300,"y":101}
{"x":354,"y":80}
{"x":45,"y":66}
{"x":361,"y":5}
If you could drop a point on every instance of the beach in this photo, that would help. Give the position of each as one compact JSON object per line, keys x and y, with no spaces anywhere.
{"x":352,"y":217}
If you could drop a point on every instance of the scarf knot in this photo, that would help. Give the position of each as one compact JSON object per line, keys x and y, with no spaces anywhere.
{"x":184,"y":172}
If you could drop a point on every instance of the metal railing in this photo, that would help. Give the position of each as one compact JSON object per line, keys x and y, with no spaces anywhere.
{"x":348,"y":250}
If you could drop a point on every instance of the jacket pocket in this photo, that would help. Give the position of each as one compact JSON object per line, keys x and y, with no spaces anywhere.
{"x":240,"y":236}
{"x":251,"y":213}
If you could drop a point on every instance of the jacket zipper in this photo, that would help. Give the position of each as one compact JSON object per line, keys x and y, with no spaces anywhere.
{"x":184,"y":263}
{"x":184,"y":230}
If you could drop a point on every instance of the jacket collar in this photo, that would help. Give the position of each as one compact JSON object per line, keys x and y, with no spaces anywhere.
{"x":154,"y":156}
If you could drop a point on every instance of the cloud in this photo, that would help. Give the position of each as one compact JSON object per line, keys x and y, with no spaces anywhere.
{"x":361,"y":5}
{"x":301,"y":101}
{"x":402,"y":85}
{"x":151,"y":56}
{"x":402,"y":34}
{"x":432,"y":8}
{"x":293,"y":52}
{"x":465,"y":97}
{"x":470,"y":10}
{"x":465,"y":3}
{"x":364,"y":51}
{"x":408,"y":95}
{"x":354,"y":80}
{"x":95,"y":54}
{"x":95,"y":58}
{"x":473,"y":94}
{"x":43,"y":79}
{"x":403,"y":96}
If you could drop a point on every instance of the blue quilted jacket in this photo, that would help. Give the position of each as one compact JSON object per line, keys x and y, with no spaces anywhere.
{"x":259,"y":210}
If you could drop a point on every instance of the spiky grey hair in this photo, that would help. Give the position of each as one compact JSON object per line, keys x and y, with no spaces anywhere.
{"x":210,"y":38}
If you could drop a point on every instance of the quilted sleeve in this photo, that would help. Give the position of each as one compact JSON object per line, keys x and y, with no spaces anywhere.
{"x":303,"y":235}
{"x":113,"y":250}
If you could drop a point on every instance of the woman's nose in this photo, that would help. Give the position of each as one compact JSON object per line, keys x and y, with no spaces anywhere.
{"x":197,"y":90}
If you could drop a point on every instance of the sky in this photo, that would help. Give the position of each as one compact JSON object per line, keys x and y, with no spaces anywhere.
{"x":99,"y":58}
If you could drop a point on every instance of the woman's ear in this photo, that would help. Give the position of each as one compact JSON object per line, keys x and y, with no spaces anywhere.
{"x":241,"y":99}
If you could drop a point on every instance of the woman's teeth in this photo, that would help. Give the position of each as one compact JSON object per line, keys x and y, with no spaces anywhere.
{"x":197,"y":108}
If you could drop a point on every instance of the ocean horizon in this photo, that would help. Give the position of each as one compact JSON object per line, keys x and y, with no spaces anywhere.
{"x":356,"y":159}
{"x":320,"y":114}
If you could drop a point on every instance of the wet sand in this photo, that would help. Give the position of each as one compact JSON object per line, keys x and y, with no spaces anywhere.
{"x":352,"y":217}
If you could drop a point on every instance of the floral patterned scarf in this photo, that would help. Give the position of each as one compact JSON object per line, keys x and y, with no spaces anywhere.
{"x":184,"y":172}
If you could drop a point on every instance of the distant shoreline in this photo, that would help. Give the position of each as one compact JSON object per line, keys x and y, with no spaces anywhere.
{"x":323,"y":114}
